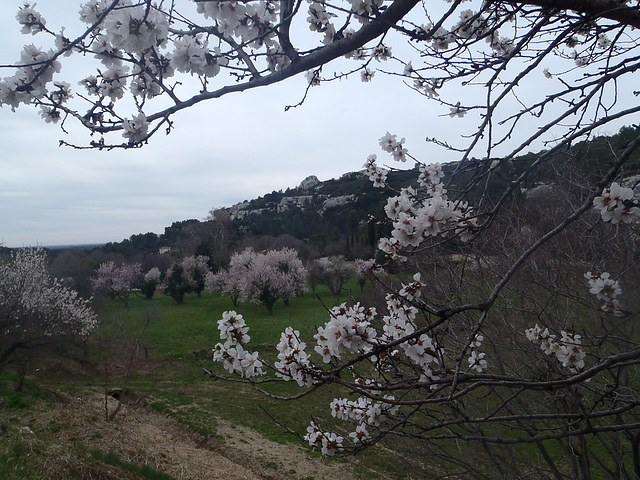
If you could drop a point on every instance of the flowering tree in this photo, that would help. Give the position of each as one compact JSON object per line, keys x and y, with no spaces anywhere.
{"x":186,"y":277}
{"x":117,"y":282}
{"x":513,"y":342}
{"x":196,"y":269}
{"x":151,"y":280}
{"x":230,"y":281}
{"x":333,"y":272}
{"x":270,"y":276}
{"x":261,"y":277}
{"x":36,"y":311}
{"x":261,"y":283}
{"x":290,"y":273}
{"x":365,"y":271}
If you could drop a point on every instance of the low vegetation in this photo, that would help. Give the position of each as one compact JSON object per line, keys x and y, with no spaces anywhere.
{"x":151,"y":353}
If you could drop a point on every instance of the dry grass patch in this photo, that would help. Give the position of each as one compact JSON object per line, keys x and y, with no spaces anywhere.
{"x":62,"y":435}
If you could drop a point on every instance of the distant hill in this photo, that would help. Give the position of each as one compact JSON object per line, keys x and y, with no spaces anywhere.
{"x":82,"y":246}
{"x":344,"y":209}
{"x":317,"y":211}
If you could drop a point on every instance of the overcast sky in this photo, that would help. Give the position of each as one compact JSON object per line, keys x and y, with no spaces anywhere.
{"x":221,"y":152}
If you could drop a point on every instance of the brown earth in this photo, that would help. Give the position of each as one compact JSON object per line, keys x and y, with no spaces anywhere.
{"x":61,"y":436}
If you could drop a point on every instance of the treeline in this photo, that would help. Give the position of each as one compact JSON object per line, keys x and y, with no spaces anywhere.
{"x":319,"y":227}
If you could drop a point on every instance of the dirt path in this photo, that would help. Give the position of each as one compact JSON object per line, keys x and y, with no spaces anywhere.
{"x":141,"y":436}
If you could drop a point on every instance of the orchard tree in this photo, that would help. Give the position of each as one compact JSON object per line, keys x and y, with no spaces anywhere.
{"x":365,"y":270}
{"x":117,"y":281}
{"x":333,"y":272}
{"x":151,"y":281}
{"x":195,"y":270}
{"x":36,"y":311}
{"x":221,"y":281}
{"x":290,"y":272}
{"x":261,"y":283}
{"x":230,"y":281}
{"x":186,"y":277}
{"x":276,"y":274}
{"x":262,"y":277}
{"x":525,"y":343}
{"x":176,"y":284}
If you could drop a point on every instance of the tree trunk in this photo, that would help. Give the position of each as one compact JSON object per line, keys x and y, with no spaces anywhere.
{"x":269,"y":305}
{"x":20,"y":383}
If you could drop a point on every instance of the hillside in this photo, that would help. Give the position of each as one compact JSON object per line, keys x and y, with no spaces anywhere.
{"x":342,"y":212}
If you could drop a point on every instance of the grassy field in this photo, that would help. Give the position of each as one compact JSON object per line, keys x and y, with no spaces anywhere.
{"x":161,"y":364}
{"x":153,"y":350}
{"x":181,"y":334}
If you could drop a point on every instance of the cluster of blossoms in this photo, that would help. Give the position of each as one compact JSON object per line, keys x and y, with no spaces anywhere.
{"x":377,"y":175}
{"x":418,"y":214}
{"x":320,"y":21}
{"x":568,"y":350}
{"x":472,"y":26}
{"x":293,"y":362}
{"x":136,"y":129}
{"x":234,"y":357}
{"x":400,"y":322}
{"x":135,"y":33}
{"x":617,"y":204}
{"x":363,"y":411}
{"x":348,"y":330}
{"x":193,"y":55}
{"x":251,"y":23}
{"x":390,"y":144}
{"x":133,"y":28}
{"x":35,"y":70}
{"x":607,"y":290}
{"x":31,"y":20}
{"x":331,"y":443}
{"x":476,"y":359}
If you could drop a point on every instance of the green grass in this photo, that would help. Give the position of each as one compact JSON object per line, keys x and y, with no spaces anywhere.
{"x":11,"y":399}
{"x":181,"y":329}
{"x":142,"y":471}
{"x":14,"y":460}
{"x":180,"y":389}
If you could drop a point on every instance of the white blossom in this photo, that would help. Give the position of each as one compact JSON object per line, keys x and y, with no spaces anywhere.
{"x":366,"y":75}
{"x":477,"y":361}
{"x":135,"y":129}
{"x":617,"y":203}
{"x":31,"y":20}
